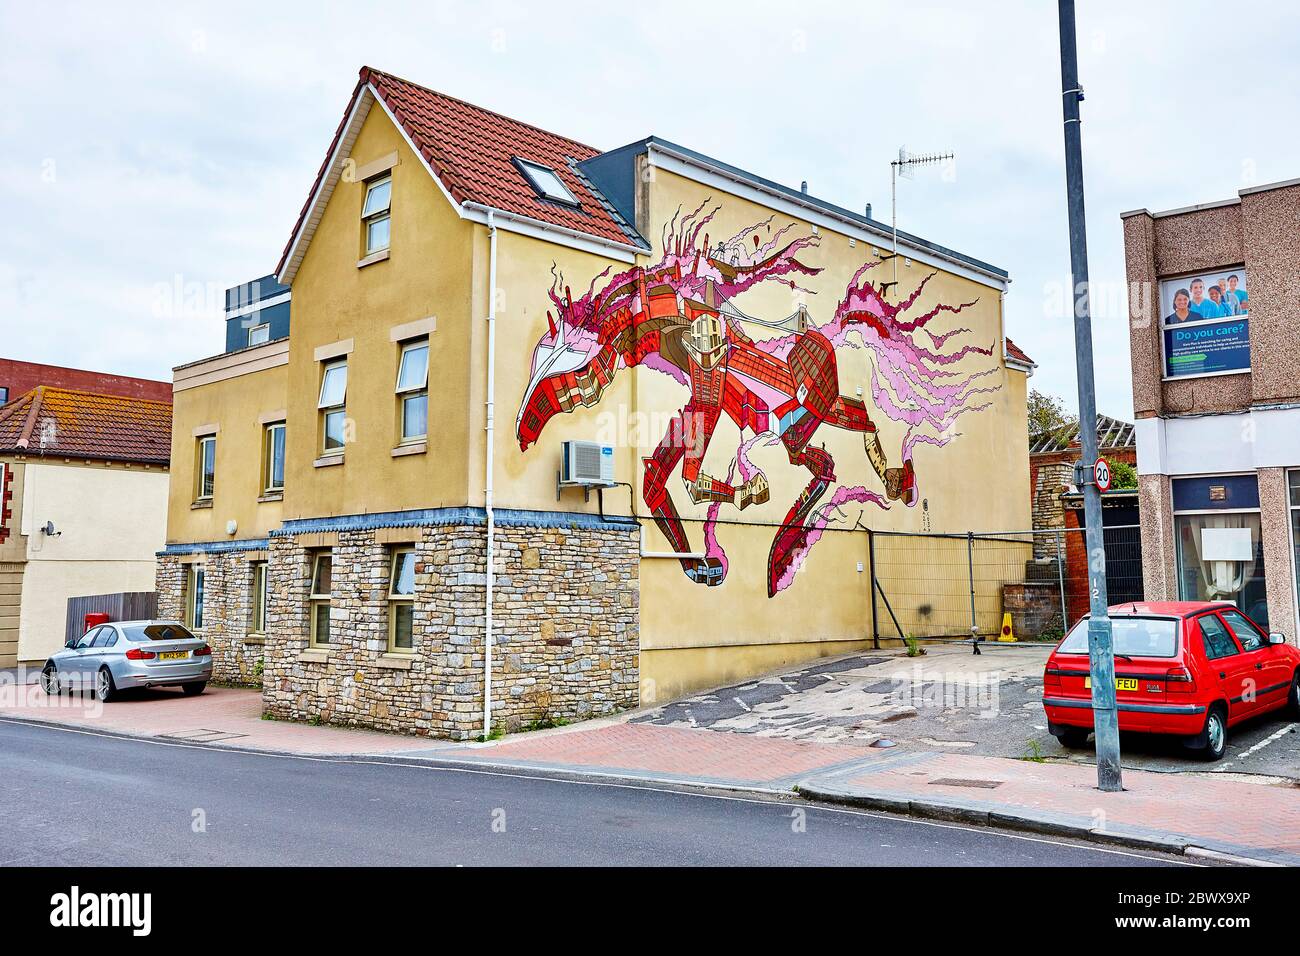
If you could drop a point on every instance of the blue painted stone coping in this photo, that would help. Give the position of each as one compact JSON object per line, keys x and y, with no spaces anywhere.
{"x":215,"y":547}
{"x":444,"y":517}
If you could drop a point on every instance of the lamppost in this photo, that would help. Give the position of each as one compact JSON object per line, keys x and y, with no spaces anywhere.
{"x":1101,"y":657}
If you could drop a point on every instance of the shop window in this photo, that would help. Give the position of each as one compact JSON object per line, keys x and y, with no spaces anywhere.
{"x":1218,"y":545}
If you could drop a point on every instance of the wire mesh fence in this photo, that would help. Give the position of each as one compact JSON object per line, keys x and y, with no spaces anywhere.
{"x":955,"y":586}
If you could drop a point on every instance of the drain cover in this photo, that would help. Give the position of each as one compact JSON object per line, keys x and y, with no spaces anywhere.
{"x":958,"y":782}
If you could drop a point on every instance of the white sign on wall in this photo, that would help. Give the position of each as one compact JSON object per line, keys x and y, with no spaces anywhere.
{"x":1226,"y":544}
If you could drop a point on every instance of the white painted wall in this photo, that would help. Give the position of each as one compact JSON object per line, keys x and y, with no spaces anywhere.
{"x":112,"y":522}
{"x":1219,"y":444}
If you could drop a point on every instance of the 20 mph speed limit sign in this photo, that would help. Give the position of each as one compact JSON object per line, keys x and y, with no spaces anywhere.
{"x":1101,"y":474}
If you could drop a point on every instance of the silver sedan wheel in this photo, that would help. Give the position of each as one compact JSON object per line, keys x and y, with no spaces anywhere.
{"x":103,"y":685}
{"x":50,"y":681}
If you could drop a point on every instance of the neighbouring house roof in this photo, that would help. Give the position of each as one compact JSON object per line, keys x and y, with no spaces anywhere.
{"x":471,"y":151}
{"x":1111,"y":433}
{"x":1015,"y":353}
{"x":67,"y":423}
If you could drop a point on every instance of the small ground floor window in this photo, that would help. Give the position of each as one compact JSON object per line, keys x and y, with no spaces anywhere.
{"x":1218,"y":545}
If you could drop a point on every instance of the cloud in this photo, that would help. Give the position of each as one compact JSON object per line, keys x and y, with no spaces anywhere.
{"x":173,"y":148}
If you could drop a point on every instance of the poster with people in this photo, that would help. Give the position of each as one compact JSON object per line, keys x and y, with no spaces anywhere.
{"x":1206,"y":330}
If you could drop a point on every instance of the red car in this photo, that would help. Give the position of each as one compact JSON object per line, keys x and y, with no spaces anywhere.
{"x":1188,"y":668}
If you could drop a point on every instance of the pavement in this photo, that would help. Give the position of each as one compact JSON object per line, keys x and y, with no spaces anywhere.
{"x":1195,"y":815}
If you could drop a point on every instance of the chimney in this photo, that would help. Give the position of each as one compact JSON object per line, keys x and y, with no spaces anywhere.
{"x":803,"y":187}
{"x":868,"y":210}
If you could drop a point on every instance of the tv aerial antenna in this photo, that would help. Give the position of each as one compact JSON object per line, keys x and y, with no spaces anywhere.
{"x":906,"y":166}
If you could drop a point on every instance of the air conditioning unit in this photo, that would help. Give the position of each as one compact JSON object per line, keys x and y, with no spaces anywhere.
{"x":586,"y":463}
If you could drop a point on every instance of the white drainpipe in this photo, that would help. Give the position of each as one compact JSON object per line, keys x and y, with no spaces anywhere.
{"x":487,"y":488}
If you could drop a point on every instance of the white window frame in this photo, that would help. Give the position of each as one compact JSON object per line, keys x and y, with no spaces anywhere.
{"x":395,"y":599}
{"x":327,"y":411}
{"x":417,"y":390}
{"x":260,"y":327}
{"x":318,"y":600}
{"x":379,"y":214}
{"x":196,"y":581}
{"x":268,"y":454}
{"x":260,"y":574}
{"x":201,"y":463}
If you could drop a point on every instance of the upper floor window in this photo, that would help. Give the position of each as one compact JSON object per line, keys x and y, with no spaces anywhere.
{"x":547,"y":183}
{"x":376,"y":213}
{"x":273,"y":456}
{"x":333,"y":400}
{"x":4,"y":395}
{"x":259,"y":334}
{"x":413,"y":389}
{"x":206,"y":470}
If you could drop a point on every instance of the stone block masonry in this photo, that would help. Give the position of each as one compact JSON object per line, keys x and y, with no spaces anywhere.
{"x":566,"y":628}
{"x":227,"y":608}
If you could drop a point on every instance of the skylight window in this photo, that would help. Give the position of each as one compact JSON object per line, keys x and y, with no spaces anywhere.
{"x":546,"y":182}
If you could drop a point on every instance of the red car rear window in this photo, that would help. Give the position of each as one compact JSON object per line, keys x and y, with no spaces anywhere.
{"x":1130,"y":636}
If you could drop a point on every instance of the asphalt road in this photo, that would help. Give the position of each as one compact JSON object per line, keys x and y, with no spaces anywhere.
{"x":78,"y":799}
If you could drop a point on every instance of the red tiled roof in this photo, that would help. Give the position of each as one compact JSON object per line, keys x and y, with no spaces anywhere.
{"x":1015,"y":352}
{"x":65,"y":423}
{"x":471,"y":150}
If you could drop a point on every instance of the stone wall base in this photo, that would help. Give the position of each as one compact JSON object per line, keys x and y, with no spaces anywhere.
{"x":566,"y":629}
{"x":227,"y":609}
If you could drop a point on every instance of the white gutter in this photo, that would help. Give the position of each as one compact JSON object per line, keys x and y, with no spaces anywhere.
{"x":528,"y":226}
{"x":488,"y":467}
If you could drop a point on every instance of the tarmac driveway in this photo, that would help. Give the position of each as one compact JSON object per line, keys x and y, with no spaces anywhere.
{"x":951,"y":700}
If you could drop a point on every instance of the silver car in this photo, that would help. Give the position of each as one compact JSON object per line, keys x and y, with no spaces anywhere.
{"x":126,"y":654}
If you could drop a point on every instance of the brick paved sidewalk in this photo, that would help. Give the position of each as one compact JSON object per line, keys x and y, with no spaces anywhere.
{"x":220,"y":715}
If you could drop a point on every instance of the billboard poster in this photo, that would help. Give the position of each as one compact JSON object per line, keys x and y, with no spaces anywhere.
{"x":1205,"y":323}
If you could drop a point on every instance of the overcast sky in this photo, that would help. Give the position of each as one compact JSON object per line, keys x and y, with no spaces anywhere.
{"x":151,"y":159}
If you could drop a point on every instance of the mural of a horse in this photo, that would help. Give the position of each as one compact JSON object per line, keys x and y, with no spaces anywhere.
{"x":678,"y":317}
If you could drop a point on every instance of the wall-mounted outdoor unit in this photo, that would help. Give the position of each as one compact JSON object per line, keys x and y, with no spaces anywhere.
{"x":586,"y":463}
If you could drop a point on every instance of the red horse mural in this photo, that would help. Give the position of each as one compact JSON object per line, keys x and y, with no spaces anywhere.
{"x":679,"y":318}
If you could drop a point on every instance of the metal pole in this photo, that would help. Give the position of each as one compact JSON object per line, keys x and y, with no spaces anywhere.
{"x":875,"y":608}
{"x":970,"y":577}
{"x":1060,"y":576}
{"x":1100,"y":652}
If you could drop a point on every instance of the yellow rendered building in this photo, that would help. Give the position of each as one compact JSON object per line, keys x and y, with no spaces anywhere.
{"x":558,"y":431}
